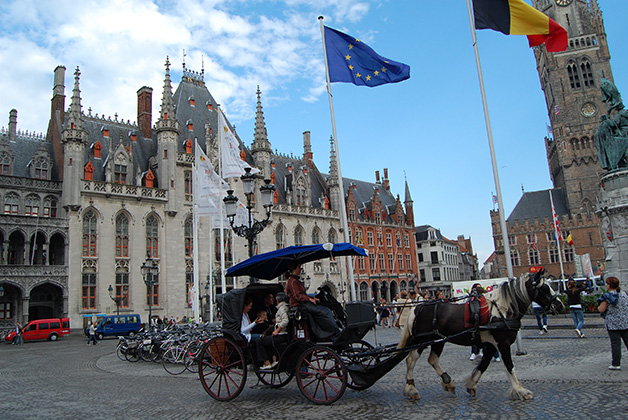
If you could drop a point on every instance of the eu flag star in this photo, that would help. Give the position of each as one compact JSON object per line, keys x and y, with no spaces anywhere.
{"x":351,"y":61}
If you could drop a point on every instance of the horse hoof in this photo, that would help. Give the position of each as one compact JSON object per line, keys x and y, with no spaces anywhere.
{"x":471,"y":392}
{"x":528,"y":396}
{"x":415,"y":397}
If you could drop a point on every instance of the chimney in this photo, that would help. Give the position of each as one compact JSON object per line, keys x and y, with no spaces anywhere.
{"x":144,"y":111}
{"x":57,"y":116}
{"x":377,"y":177}
{"x":386,"y":183}
{"x":12,"y":124}
{"x":307,"y":148}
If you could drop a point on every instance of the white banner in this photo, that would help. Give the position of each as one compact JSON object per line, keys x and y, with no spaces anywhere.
{"x":209,"y":192}
{"x":232,"y":163}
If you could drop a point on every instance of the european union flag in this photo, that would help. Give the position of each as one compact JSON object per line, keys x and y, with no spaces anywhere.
{"x":351,"y":61}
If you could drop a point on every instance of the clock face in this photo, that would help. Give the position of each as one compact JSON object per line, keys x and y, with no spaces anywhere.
{"x":563,"y":2}
{"x":589,"y":109}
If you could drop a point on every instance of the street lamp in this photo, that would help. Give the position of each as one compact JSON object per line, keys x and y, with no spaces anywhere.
{"x":254,"y":227}
{"x":149,"y":270}
{"x":118,"y":300}
{"x":1,"y":291}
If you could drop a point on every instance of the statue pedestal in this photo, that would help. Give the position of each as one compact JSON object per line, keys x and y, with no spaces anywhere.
{"x":613,"y":213}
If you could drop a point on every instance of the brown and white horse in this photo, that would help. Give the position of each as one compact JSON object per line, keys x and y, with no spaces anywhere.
{"x":439,"y":322}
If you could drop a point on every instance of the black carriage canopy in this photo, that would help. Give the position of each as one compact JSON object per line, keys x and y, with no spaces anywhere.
{"x":232,"y":303}
{"x":275,"y":263}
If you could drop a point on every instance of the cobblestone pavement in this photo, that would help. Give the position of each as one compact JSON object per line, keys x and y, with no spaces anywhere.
{"x":68,"y":379}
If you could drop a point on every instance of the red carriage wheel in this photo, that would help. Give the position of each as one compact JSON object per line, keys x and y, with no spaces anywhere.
{"x":321,"y":375}
{"x":222,"y":369}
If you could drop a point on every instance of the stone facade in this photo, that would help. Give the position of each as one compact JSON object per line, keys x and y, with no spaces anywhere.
{"x":103,"y":194}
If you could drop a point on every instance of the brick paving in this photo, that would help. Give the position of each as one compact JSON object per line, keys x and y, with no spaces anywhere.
{"x":567,"y":375}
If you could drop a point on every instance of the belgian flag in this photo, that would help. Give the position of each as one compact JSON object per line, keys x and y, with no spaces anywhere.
{"x":516,"y":17}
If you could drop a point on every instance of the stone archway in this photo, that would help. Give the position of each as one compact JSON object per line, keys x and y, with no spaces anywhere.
{"x":46,"y":301}
{"x":10,"y":305}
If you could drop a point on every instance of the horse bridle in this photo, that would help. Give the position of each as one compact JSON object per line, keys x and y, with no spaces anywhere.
{"x":537,"y":285}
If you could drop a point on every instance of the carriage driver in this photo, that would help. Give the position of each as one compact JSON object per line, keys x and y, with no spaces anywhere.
{"x":324,"y":326}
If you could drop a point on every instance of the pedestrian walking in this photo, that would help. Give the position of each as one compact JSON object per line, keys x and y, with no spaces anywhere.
{"x":92,"y":334}
{"x":404,"y":306}
{"x":575,"y":305}
{"x":19,"y":334}
{"x":541,"y":317}
{"x":613,"y":305}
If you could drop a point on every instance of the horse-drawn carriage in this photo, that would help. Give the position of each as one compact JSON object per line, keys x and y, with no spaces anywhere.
{"x":324,"y":368}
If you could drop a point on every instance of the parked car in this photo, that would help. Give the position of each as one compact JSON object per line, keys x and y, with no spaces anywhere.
{"x":117,"y":325}
{"x":43,"y":329}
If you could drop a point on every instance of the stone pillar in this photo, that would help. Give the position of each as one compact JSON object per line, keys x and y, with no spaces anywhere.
{"x":613,"y":212}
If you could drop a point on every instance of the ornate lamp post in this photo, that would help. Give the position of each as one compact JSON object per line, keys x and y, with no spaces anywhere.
{"x":149,"y":270}
{"x":411,"y":282}
{"x":253,"y":227}
{"x":118,"y":300}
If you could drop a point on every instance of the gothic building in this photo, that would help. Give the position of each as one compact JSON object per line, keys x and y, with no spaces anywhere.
{"x":88,"y":203}
{"x":570,"y":81}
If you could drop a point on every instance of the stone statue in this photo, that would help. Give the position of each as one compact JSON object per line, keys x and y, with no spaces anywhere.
{"x":611,"y":136}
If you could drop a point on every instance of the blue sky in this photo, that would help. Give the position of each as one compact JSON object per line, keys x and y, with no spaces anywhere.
{"x":430,"y":127}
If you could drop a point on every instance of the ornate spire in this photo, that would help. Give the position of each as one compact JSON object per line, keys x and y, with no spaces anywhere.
{"x":333,"y":164}
{"x":408,"y":198}
{"x":73,"y":125}
{"x":260,"y":137}
{"x":167,"y":119}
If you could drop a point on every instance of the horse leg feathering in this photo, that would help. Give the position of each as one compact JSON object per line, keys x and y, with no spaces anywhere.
{"x":409,"y":390}
{"x":434,"y":361}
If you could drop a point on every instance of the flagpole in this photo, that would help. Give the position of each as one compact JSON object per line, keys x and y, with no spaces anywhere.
{"x":195,"y":238}
{"x":343,"y":210}
{"x":223,"y":279}
{"x":557,"y":235}
{"x":498,"y":190}
{"x":210,"y":276}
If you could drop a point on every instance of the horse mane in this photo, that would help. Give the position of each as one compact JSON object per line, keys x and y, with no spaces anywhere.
{"x":511,"y":297}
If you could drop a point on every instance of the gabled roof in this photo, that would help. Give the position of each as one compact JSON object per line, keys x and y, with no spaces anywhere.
{"x":536,"y":205}
{"x":421,"y":233}
{"x":363,"y":192}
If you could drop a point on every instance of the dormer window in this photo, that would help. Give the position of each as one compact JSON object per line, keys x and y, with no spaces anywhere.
{"x":190,"y":125}
{"x":41,"y":169}
{"x":210,"y":106}
{"x":97,"y":149}
{"x":105,"y":132}
{"x":192,"y":102}
{"x":150,"y":179}
{"x":134,"y":137}
{"x":5,"y":164}
{"x":188,"y":147}
{"x":119,"y":174}
{"x":89,"y":172}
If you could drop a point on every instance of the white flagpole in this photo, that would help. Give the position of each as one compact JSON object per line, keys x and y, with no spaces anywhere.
{"x":498,"y":189}
{"x":195,"y":237}
{"x":223,"y":279}
{"x":555,"y":223}
{"x":343,"y":210}
{"x":210,"y":276}
{"x":502,"y":217}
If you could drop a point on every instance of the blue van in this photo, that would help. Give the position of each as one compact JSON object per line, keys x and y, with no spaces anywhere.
{"x":118,"y":325}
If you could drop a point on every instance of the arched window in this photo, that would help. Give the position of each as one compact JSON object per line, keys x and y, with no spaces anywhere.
{"x":316,"y":236}
{"x":187,"y":182}
{"x":188,"y":238}
{"x":553,"y":253}
{"x":122,"y":236}
{"x":331,"y":236}
{"x":279,"y":236}
{"x":298,"y":236}
{"x":11,"y":203}
{"x":31,"y":206}
{"x":50,"y":207}
{"x":533,"y":256}
{"x":574,"y":78}
{"x":364,"y":291}
{"x":514,"y":257}
{"x":587,"y":73}
{"x":89,"y":234}
{"x":152,"y":237}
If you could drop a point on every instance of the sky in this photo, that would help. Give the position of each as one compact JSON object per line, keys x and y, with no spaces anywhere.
{"x":429,"y":129}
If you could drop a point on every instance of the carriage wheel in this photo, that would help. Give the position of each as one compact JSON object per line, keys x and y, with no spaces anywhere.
{"x":321,"y":375}
{"x":274,"y":379}
{"x":222,"y":369}
{"x":348,"y":356}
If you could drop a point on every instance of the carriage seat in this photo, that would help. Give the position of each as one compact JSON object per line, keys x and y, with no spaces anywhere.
{"x":476,"y":310}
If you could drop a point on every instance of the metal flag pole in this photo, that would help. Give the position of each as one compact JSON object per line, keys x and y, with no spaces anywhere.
{"x":343,"y":210}
{"x":555,"y":222}
{"x":498,"y":190}
{"x":195,"y":237}
{"x":223,"y":279}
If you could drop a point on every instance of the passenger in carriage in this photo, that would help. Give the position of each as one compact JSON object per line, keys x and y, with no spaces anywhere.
{"x":266,"y":344}
{"x":247,"y":326}
{"x":324,"y":326}
{"x":270,"y":310}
